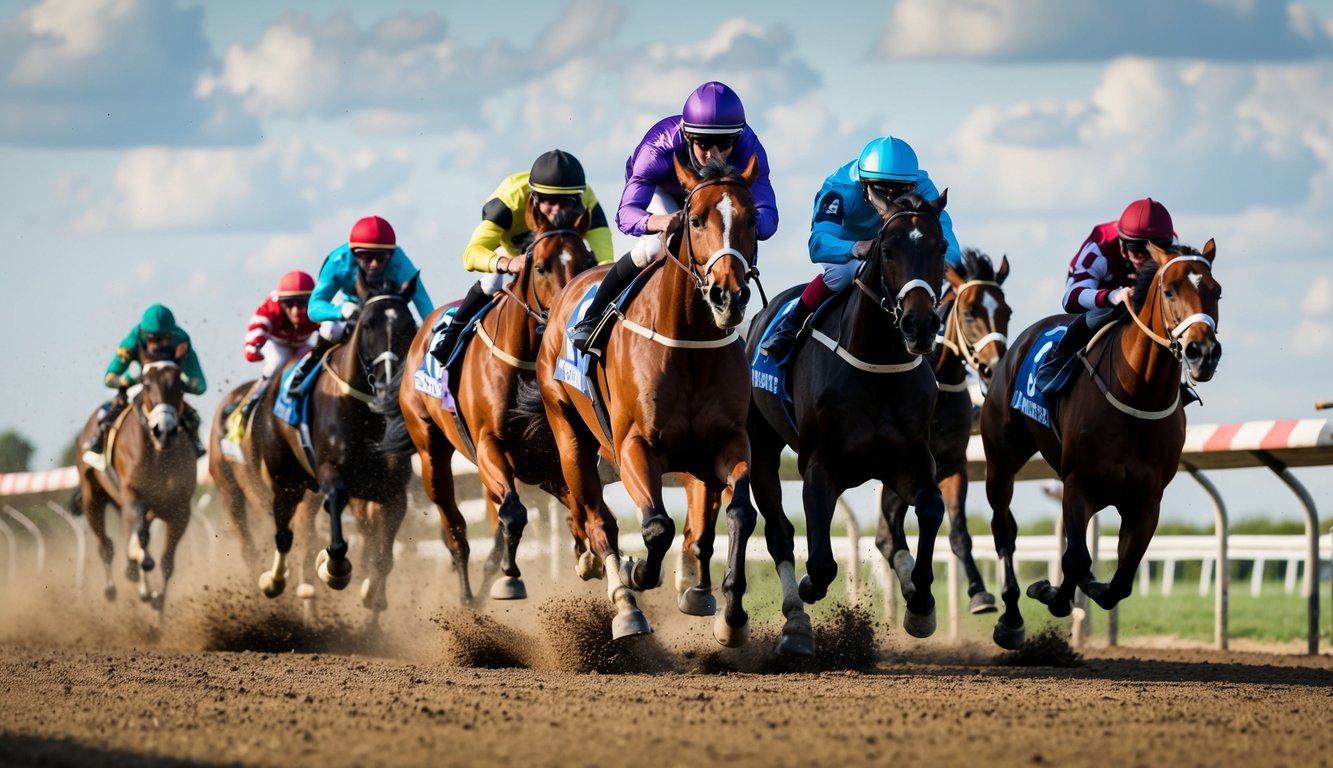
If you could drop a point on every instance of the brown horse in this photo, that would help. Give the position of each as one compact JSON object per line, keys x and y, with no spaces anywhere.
{"x":675,"y":384}
{"x":975,"y":337}
{"x":150,"y":471}
{"x":353,"y":414}
{"x":1117,"y":438}
{"x":495,"y":363}
{"x":862,"y":407}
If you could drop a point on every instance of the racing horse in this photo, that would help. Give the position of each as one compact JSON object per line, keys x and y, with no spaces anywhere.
{"x":1115,"y":438}
{"x":861,"y":410}
{"x":502,"y":356}
{"x":975,"y":337}
{"x":353,"y":414}
{"x":150,"y":471}
{"x":674,"y":383}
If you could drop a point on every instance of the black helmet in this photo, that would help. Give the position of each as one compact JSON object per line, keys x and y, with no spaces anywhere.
{"x":557,"y":173}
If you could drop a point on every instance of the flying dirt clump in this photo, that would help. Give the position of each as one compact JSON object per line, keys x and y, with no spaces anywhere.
{"x":1050,"y":648}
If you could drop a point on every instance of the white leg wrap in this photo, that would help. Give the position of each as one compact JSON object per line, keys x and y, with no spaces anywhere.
{"x":791,"y":599}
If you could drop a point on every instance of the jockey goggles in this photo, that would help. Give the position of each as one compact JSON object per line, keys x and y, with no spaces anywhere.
{"x":723,"y":142}
{"x":1141,"y":246}
{"x":891,"y":190}
{"x":367,"y":256}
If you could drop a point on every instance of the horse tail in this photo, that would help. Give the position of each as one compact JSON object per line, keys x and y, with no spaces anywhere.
{"x":76,"y":501}
{"x":396,"y":441}
{"x":528,"y":416}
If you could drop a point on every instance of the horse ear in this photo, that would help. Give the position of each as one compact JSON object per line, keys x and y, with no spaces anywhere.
{"x":1210,"y":250}
{"x":688,"y":178}
{"x":1004,"y":270}
{"x":1158,"y":255}
{"x":583,"y":222}
{"x":937,"y":205}
{"x":751,"y":171}
{"x":954,"y":278}
{"x":409,"y":288}
{"x":533,"y":216}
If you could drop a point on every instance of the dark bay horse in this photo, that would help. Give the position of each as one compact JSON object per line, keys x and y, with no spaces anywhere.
{"x":501,"y":357}
{"x":975,"y":337}
{"x":353,"y":414}
{"x":150,"y":471}
{"x":676,"y":387}
{"x":1118,"y":433}
{"x":863,"y":402}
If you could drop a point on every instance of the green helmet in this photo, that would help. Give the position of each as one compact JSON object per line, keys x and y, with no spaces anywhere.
{"x":157,"y":321}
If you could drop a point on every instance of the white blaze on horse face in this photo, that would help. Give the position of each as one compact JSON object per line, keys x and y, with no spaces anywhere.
{"x":988,"y":301}
{"x":566,"y":257}
{"x":725,"y":208}
{"x":1196,"y":279}
{"x":915,"y":235}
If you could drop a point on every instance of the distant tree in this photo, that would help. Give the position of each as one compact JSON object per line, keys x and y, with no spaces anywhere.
{"x":15,"y":452}
{"x":67,"y":455}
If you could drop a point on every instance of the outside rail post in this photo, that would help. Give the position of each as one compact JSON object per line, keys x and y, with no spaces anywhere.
{"x":80,"y":542}
{"x":1312,"y":539}
{"x":33,"y":531}
{"x":1222,"y":597}
{"x":197,"y":513}
{"x":11,"y":568}
{"x":853,"y":555}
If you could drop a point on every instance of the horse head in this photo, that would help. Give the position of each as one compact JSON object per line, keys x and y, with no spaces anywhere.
{"x":1180,"y":283}
{"x":384,"y":332}
{"x":979,"y":320}
{"x":557,"y":253}
{"x":162,"y":401}
{"x":908,"y":256}
{"x":719,"y":237}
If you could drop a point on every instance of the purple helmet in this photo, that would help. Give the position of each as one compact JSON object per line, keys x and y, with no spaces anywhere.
{"x":713,"y":108}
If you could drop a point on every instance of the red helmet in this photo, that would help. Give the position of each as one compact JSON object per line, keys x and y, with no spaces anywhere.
{"x":295,"y":283}
{"x":1146,"y":219}
{"x":372,"y":232}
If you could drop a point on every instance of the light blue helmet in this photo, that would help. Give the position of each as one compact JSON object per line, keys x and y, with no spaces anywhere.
{"x":887,"y":159}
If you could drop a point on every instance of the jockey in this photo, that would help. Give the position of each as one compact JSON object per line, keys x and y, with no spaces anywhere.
{"x":372,"y":249}
{"x":280,"y":330}
{"x":711,"y":125}
{"x":1100,"y":283}
{"x":156,"y":337}
{"x":555,"y":186}
{"x":847,"y":217}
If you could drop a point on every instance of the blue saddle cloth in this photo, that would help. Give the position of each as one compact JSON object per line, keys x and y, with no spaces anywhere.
{"x":429,"y":378}
{"x":572,"y":365}
{"x":766,"y":373}
{"x":295,"y":411}
{"x":1028,"y":399}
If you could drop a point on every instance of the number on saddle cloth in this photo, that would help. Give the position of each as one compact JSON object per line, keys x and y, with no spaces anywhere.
{"x":1028,"y":399}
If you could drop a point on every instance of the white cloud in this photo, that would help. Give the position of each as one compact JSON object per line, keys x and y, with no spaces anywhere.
{"x":1313,"y":337}
{"x":1319,"y":298}
{"x":109,"y":73}
{"x":1027,"y":30}
{"x":276,"y":186}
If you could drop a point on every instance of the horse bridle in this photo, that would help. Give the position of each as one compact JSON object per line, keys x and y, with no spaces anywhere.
{"x":541,"y":314}
{"x":965,"y":349}
{"x":895,"y":311}
{"x":387,"y":357}
{"x":1172,"y":343}
{"x":701,"y":277}
{"x":145,"y":419}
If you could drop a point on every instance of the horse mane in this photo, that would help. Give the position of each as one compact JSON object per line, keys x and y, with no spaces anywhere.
{"x":910,"y":201}
{"x":565,"y":218}
{"x":1143,"y":283}
{"x":380,"y":286}
{"x":975,"y":265}
{"x":717,"y":168}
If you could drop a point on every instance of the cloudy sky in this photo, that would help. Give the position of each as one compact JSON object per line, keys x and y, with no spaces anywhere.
{"x":189,"y":153}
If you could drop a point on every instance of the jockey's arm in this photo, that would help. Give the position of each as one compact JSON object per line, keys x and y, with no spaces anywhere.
{"x":764,"y":199}
{"x":644,"y":167}
{"x":117,"y":376}
{"x":926,"y":188}
{"x":1083,"y":287}
{"x":482,"y":252}
{"x":828,"y":244}
{"x":321,"y":308}
{"x":192,"y":375}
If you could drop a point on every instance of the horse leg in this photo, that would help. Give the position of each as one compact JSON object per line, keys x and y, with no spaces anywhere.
{"x":694,"y":581}
{"x":1137,"y":526}
{"x":643,"y":482}
{"x":234,"y":504}
{"x":332,"y":564}
{"x":386,"y":518}
{"x":891,"y":539}
{"x":175,"y":532}
{"x":731,"y":628}
{"x":586,"y":564}
{"x":285,"y":499}
{"x":511,"y":517}
{"x":820,"y":496}
{"x":954,"y":490}
{"x":94,"y":511}
{"x":1076,"y":561}
{"x":919,"y":618}
{"x":138,"y":558}
{"x":1009,"y":632}
{"x":797,"y":637}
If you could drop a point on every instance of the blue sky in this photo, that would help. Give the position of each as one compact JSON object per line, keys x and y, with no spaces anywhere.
{"x":190,"y":153}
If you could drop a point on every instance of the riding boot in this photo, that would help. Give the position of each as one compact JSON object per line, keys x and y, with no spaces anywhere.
{"x":613,"y":284}
{"x":255,"y":396}
{"x":780,"y":344}
{"x":306,"y":365}
{"x":475,"y":299}
{"x":190,"y":423}
{"x":1188,"y":395}
{"x":1077,"y":335}
{"x":105,"y":418}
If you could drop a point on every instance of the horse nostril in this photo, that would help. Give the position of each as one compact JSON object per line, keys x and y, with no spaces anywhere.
{"x":743,"y":297}
{"x":716,"y":295}
{"x":1216,"y":353}
{"x":1192,"y":351}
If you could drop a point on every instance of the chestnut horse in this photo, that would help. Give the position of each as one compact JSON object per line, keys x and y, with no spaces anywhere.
{"x":862,"y":402}
{"x":1118,"y":434}
{"x":675,"y":383}
{"x":975,"y":337}
{"x":496,"y":362}
{"x":353,"y":404}
{"x":150,"y":472}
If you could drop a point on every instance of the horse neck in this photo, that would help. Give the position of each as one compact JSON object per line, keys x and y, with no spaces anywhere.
{"x":866,"y":330}
{"x":513,"y":329}
{"x":681,"y":311}
{"x":1146,"y":369}
{"x":345,"y":362}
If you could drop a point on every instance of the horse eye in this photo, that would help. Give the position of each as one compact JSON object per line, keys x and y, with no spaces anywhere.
{"x":695,"y":222}
{"x":1169,"y":294}
{"x":969,"y":315}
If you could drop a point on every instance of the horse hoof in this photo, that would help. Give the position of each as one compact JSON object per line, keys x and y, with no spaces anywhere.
{"x":627,"y":568}
{"x":1037,"y":588}
{"x":589,"y":567}
{"x":1061,"y":609}
{"x":729,"y":636}
{"x":109,"y":591}
{"x":903,"y":565}
{"x":798,"y":637}
{"x":917,"y":625}
{"x":147,"y":564}
{"x":1007,"y":637}
{"x":367,"y":592}
{"x":337,"y":574}
{"x":982,"y":602}
{"x":697,"y":601}
{"x":132,"y":571}
{"x":806,"y":589}
{"x":629,"y":623}
{"x":509,"y":588}
{"x":270,"y":586}
{"x":305,"y":591}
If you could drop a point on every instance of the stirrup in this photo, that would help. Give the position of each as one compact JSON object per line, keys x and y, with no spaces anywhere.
{"x":595,"y":328}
